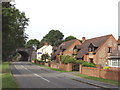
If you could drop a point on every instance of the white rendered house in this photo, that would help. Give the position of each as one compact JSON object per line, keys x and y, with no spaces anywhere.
{"x":46,"y":49}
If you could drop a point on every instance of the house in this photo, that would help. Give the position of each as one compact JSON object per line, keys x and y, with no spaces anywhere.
{"x":114,"y":58}
{"x":96,"y":50}
{"x":46,"y":49}
{"x":66,"y":48}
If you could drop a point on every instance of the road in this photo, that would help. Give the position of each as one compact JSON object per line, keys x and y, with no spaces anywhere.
{"x":28,"y":75}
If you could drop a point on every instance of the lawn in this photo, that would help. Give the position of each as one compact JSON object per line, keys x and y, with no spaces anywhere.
{"x":113,"y":82}
{"x":7,"y":78}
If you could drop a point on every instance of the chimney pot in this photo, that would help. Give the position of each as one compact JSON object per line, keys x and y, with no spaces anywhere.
{"x":83,"y":39}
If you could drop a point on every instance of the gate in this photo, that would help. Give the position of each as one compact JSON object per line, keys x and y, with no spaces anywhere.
{"x":75,"y":67}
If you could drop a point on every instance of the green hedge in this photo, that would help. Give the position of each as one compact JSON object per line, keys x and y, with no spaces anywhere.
{"x":88,"y":64}
{"x":67,"y":59}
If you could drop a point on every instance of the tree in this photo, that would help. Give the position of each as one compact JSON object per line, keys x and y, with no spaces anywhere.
{"x":70,"y":38}
{"x":14,"y":23}
{"x":54,"y":38}
{"x":31,"y":43}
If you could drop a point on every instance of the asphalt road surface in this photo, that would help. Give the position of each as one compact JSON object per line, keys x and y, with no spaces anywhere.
{"x":28,"y":75}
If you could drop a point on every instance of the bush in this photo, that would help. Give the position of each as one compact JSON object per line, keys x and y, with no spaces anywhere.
{"x":87,"y":64}
{"x":35,"y":59}
{"x":67,"y":59}
{"x":79,"y":61}
{"x":106,"y":67}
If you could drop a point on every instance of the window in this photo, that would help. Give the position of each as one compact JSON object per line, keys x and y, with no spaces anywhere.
{"x":63,"y":50}
{"x":91,"y":49}
{"x":114,"y":63}
{"x":109,"y":49}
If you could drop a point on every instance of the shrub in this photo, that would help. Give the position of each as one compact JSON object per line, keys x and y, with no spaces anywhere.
{"x":87,"y":64}
{"x":67,"y":59}
{"x":106,"y":67}
{"x":79,"y":61}
{"x":34,"y":59}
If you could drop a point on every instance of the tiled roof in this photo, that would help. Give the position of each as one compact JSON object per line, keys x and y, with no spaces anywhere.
{"x":66,"y":44}
{"x":62,"y":46}
{"x":97,"y":42}
{"x":78,"y":46}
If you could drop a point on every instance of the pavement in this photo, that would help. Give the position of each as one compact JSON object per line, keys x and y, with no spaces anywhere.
{"x":28,"y":75}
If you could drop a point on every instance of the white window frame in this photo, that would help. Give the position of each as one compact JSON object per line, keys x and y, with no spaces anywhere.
{"x":114,"y":63}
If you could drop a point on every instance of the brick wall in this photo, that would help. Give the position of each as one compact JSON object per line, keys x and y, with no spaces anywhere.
{"x":102,"y":73}
{"x":64,"y":67}
{"x":54,"y":65}
{"x":47,"y":64}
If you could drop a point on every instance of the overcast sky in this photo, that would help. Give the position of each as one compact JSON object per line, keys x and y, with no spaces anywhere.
{"x":89,"y":18}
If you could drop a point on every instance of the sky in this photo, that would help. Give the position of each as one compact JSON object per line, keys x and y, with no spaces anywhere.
{"x":79,"y":18}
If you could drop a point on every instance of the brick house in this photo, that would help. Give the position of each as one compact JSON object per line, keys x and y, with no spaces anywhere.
{"x":96,"y":50}
{"x":114,"y":58}
{"x":66,"y":48}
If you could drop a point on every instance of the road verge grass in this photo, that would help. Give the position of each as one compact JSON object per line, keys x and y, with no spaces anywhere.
{"x":7,"y":78}
{"x":113,"y":82}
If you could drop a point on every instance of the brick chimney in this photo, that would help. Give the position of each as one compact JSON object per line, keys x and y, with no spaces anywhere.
{"x":83,"y":39}
{"x":46,"y":44}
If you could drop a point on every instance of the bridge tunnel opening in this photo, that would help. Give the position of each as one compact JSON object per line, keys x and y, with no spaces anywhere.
{"x":24,"y":56}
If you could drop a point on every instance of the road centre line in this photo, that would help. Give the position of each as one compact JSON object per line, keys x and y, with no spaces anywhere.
{"x":35,"y":74}
{"x":41,"y":77}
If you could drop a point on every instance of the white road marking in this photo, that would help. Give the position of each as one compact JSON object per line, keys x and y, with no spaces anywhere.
{"x":41,"y":77}
{"x":25,"y":68}
{"x":35,"y":74}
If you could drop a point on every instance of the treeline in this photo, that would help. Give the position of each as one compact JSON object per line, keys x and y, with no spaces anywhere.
{"x":54,"y":38}
{"x":14,"y":23}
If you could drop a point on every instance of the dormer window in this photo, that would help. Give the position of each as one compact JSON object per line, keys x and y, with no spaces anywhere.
{"x":92,"y":48}
{"x":109,"y":49}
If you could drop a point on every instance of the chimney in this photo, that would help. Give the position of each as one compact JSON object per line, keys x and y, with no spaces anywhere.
{"x":46,"y":44}
{"x":83,"y":39}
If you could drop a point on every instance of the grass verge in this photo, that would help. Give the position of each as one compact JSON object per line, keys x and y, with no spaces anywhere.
{"x":113,"y":82}
{"x":51,"y":68}
{"x":7,"y":78}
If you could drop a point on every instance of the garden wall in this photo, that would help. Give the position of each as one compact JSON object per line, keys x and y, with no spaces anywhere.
{"x":65,"y":67}
{"x":61,"y":66}
{"x":99,"y":72}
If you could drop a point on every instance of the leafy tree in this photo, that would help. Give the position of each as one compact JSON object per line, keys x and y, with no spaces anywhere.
{"x":31,"y":43}
{"x":14,"y":23}
{"x":54,"y":38}
{"x":45,"y":56}
{"x":70,"y":38}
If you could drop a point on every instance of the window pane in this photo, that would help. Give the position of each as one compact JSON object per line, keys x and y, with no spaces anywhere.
{"x":114,"y":63}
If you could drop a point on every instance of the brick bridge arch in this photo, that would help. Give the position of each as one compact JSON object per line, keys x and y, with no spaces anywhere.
{"x":26,"y":53}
